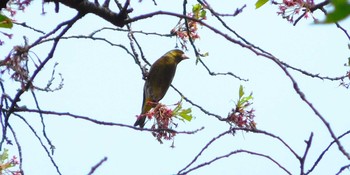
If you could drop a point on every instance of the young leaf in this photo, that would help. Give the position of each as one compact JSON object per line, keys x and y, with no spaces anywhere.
{"x":4,"y":156}
{"x":203,"y":14}
{"x":197,"y":59}
{"x":5,"y":22}
{"x":177,"y":108}
{"x":186,"y":114}
{"x":260,"y":3}
{"x":241,"y":92}
{"x":196,"y":8}
{"x":340,"y":13}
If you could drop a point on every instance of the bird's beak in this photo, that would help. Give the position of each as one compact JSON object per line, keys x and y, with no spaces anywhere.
{"x":184,"y":57}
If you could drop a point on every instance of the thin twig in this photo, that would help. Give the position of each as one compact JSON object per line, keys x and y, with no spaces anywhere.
{"x":343,"y":168}
{"x":324,"y":152}
{"x":103,"y":122}
{"x":94,"y":168}
{"x":19,"y":149}
{"x":41,"y":142}
{"x":271,"y":135}
{"x":52,"y":147}
{"x":203,"y":149}
{"x":302,"y":160}
{"x":68,"y":25}
{"x":236,"y":152}
{"x":23,"y":24}
{"x":196,"y":105}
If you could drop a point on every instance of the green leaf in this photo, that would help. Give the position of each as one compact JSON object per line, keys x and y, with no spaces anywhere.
{"x":338,"y":14}
{"x":246,"y":99}
{"x":203,"y":14}
{"x":260,"y":3}
{"x":197,"y":59}
{"x":341,"y":11}
{"x":196,"y":8}
{"x":186,"y":114}
{"x":177,"y":109}
{"x":5,"y":22}
{"x":4,"y":156}
{"x":241,"y":91}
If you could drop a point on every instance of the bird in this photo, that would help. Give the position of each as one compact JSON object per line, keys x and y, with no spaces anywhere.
{"x":158,"y":80}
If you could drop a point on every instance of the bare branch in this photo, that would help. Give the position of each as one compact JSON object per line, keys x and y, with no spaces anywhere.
{"x":342,"y":28}
{"x":103,"y":122}
{"x":41,"y":143}
{"x":19,"y":149}
{"x":196,"y":105}
{"x":271,"y":135}
{"x":324,"y":152}
{"x":207,"y":5}
{"x":52,"y":147}
{"x":302,"y":160}
{"x":133,"y":31}
{"x":23,"y":24}
{"x":203,"y":149}
{"x":343,"y":168}
{"x":236,"y":152}
{"x":94,"y":168}
{"x":69,"y":24}
{"x":85,"y":6}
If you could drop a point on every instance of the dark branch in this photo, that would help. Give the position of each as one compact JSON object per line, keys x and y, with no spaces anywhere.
{"x":203,"y":149}
{"x":324,"y":152}
{"x":342,"y":169}
{"x":103,"y":122}
{"x":236,"y":152}
{"x":41,"y":143}
{"x":93,"y":169}
{"x":302,"y":160}
{"x":3,"y":4}
{"x":11,"y":108}
{"x":85,"y":7}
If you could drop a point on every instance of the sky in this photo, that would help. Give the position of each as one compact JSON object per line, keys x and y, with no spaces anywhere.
{"x":104,"y":83}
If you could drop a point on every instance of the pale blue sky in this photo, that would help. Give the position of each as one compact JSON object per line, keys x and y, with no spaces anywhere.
{"x":104,"y":83}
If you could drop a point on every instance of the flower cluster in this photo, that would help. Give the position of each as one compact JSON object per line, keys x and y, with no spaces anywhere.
{"x":289,"y":8}
{"x":185,"y":31}
{"x":16,"y":64}
{"x":242,"y":118}
{"x":15,"y":5}
{"x":241,"y":115}
{"x":163,"y":123}
{"x":12,"y":6}
{"x":163,"y":126}
{"x":7,"y":35}
{"x":6,"y":164}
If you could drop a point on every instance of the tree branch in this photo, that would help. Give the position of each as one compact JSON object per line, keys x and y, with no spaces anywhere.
{"x":85,"y":7}
{"x":94,"y":168}
{"x":236,"y":152}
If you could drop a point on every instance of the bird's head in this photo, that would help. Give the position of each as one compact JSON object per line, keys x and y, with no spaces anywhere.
{"x":179,"y":55}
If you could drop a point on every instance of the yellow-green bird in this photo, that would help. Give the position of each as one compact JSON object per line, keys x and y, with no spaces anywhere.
{"x":158,"y":81}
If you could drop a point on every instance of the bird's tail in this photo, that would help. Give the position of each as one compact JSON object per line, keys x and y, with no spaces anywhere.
{"x":140,"y":121}
{"x":142,"y":117}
